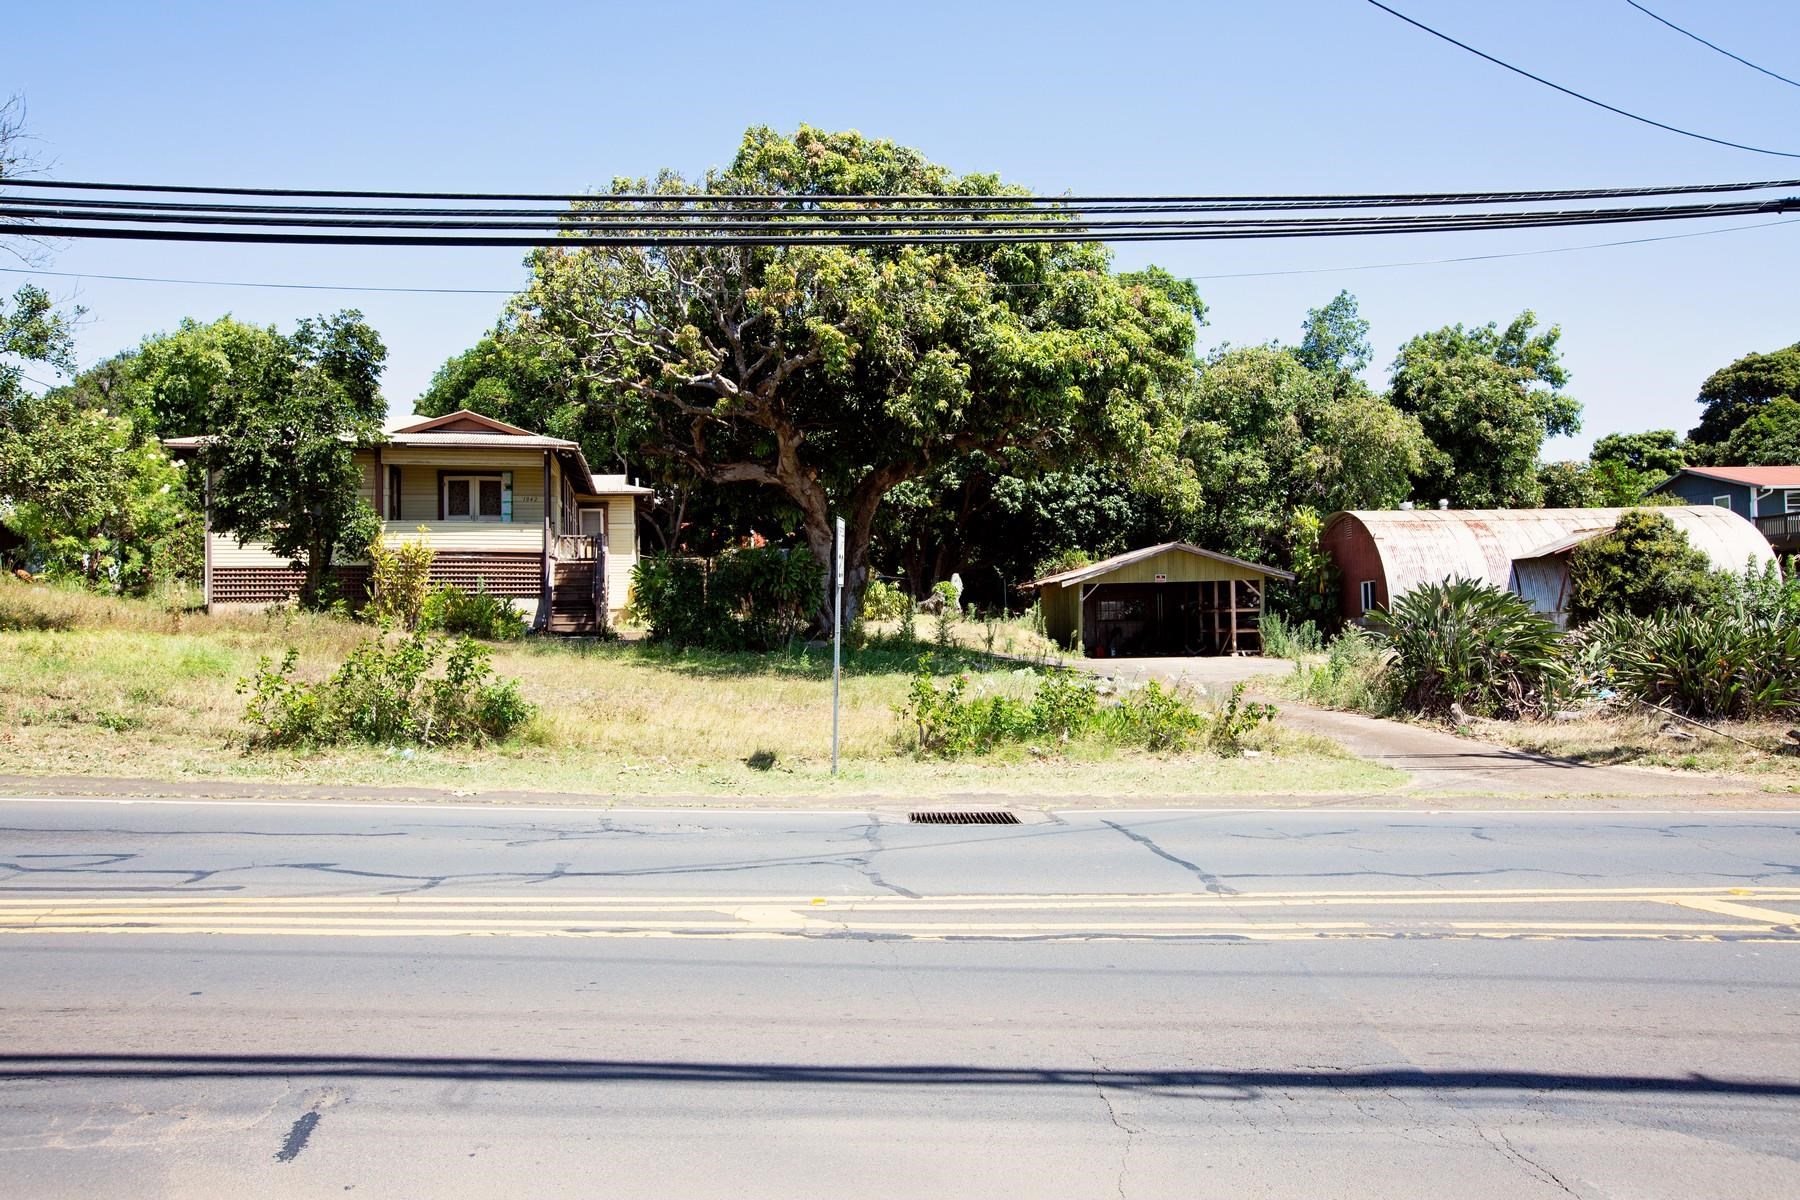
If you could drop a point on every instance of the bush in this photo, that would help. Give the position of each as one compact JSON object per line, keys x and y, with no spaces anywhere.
{"x":751,"y":599}
{"x":477,"y":614}
{"x":399,"y":580}
{"x":1234,"y":720}
{"x":1059,"y":561}
{"x":1353,"y":675}
{"x":384,"y":694}
{"x":1471,"y":645}
{"x":1280,"y":639}
{"x":1155,"y":717}
{"x":1064,"y":705}
{"x":949,"y":724}
{"x":884,"y":602}
{"x":1643,"y":567}
{"x":1706,"y":664}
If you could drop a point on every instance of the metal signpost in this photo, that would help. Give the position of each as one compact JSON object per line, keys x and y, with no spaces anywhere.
{"x":837,"y":635}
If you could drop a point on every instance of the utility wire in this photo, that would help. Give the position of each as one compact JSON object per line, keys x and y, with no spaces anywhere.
{"x":1578,"y":95}
{"x":948,"y":205}
{"x":1423,"y":262}
{"x":1711,"y":45}
{"x":933,"y":234}
{"x":997,"y":201}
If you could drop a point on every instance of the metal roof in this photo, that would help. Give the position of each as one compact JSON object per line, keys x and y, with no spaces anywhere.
{"x":1108,"y":565}
{"x":1427,"y":545}
{"x":1781,"y":476}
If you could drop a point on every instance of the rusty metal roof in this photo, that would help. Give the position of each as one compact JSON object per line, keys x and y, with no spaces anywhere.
{"x":1108,"y":565}
{"x":1428,"y":545}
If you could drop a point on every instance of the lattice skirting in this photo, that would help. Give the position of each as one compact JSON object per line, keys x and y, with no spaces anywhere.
{"x":513,"y":575}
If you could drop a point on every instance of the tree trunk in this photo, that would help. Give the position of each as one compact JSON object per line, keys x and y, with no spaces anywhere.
{"x":820,"y":539}
{"x":312,"y":583}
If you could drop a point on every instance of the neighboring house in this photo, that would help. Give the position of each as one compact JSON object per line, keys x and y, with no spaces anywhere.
{"x":1768,"y":496}
{"x":1167,"y":599}
{"x":1382,"y":555}
{"x":517,"y":511}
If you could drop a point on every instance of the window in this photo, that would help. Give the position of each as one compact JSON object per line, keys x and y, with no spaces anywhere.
{"x":1793,"y":500}
{"x":1721,"y":501}
{"x":393,"y":493}
{"x":474,"y":498}
{"x":1122,"y":610}
{"x":1368,"y":595}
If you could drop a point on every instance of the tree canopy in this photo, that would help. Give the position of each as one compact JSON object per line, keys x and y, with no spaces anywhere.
{"x":833,"y":373}
{"x":1486,"y":398}
{"x":1644,"y":566}
{"x":1768,"y":437}
{"x":1733,"y":394}
{"x":1336,"y":338}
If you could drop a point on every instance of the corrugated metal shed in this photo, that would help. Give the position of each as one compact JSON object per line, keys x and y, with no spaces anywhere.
{"x":1402,"y":549}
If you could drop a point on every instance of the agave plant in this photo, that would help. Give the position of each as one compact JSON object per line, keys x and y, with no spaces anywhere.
{"x":1707,"y":664}
{"x":1466,"y":643}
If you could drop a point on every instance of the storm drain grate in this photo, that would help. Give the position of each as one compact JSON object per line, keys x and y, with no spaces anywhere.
{"x":979,"y":817}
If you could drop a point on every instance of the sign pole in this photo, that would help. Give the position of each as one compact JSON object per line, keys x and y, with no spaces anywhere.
{"x":837,"y":636}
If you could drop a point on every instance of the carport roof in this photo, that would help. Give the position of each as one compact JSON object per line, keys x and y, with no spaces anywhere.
{"x":1107,"y":565}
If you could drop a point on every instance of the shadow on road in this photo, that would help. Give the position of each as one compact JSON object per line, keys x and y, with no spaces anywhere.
{"x":1234,"y":1084}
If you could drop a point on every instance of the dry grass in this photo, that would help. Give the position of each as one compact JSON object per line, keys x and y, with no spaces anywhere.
{"x":1650,"y":739}
{"x":118,"y":688}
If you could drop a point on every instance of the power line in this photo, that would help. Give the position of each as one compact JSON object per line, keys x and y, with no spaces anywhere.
{"x":1578,"y":95}
{"x":1366,"y":199}
{"x":1464,"y":258}
{"x":654,"y":234}
{"x":1426,"y":262}
{"x":1711,"y":45}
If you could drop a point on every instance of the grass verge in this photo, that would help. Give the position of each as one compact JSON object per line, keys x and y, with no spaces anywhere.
{"x":123,"y":688}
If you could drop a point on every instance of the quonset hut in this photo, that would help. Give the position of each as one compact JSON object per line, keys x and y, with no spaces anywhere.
{"x":1382,"y":555}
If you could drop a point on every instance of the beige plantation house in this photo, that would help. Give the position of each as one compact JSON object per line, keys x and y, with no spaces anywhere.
{"x":515,"y":512}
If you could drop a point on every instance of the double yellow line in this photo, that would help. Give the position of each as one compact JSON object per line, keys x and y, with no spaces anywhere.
{"x":1633,"y":913}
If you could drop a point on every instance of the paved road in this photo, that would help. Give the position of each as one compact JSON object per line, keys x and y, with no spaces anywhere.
{"x":288,"y":1000}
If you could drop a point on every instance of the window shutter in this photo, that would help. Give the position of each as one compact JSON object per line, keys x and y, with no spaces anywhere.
{"x":506,"y":496}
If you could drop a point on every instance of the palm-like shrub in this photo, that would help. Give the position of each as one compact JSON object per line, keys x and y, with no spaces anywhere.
{"x":1465,"y":643}
{"x":1707,"y":664}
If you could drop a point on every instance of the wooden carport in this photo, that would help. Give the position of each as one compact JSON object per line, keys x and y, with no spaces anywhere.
{"x":1170,"y":599}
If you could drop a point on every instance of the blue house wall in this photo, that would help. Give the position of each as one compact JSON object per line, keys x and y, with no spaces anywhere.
{"x":1693,"y":489}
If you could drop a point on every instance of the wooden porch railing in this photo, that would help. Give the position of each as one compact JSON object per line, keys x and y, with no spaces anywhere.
{"x":574,"y":547}
{"x":1782,"y":529}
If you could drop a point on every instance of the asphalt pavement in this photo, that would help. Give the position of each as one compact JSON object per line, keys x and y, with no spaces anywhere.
{"x":293,"y":999}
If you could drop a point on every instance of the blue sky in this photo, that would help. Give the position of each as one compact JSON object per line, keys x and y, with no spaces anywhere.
{"x":1210,"y":96}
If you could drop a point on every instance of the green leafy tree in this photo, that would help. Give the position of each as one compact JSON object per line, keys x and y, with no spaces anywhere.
{"x":1571,"y":485}
{"x":1768,"y":437}
{"x":1336,"y":338}
{"x":1627,"y":465}
{"x":1645,"y":566}
{"x":281,"y":444}
{"x":1486,"y":398}
{"x":830,"y":374}
{"x":1732,"y":394}
{"x":1266,"y":433}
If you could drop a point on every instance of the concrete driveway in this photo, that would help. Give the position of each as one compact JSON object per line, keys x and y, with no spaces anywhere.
{"x":1440,"y":763}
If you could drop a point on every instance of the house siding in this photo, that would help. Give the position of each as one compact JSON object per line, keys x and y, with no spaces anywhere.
{"x":1696,"y":489}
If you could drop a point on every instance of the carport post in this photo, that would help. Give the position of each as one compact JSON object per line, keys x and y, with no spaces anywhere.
{"x":837,"y":635}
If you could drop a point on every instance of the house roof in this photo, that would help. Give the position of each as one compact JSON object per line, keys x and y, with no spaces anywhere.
{"x":1781,"y":477}
{"x":466,"y":430}
{"x":1426,"y":545}
{"x":1108,"y":565}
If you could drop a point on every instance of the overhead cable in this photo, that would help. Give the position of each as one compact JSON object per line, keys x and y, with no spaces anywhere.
{"x":1711,"y":45}
{"x":1612,"y":108}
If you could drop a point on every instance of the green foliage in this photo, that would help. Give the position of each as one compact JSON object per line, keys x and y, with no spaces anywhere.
{"x":1058,"y":561}
{"x":1770,"y":436}
{"x":1316,"y":575}
{"x":384,"y":694}
{"x":950,"y":723}
{"x":1336,"y":337}
{"x":833,"y":373}
{"x":1064,"y":705}
{"x":884,"y":602}
{"x":1572,"y":485}
{"x":1733,"y":394}
{"x":1234,"y":721}
{"x":1707,"y":665}
{"x":399,"y":579}
{"x":1644,"y":566}
{"x":476,"y":614}
{"x":1627,"y":465}
{"x":1486,"y":399}
{"x":1469,"y":644}
{"x":1759,"y":595}
{"x":1156,"y":717}
{"x":283,"y":429}
{"x":1353,"y":675}
{"x":1284,"y":639}
{"x":750,"y":599}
